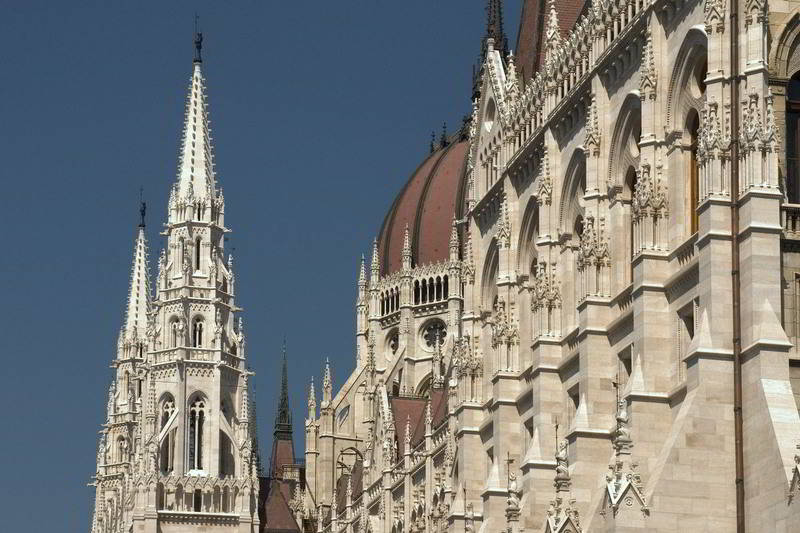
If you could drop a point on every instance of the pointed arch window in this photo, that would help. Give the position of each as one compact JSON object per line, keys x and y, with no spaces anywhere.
{"x":197,"y":254}
{"x":792,"y":182}
{"x":183,"y":252}
{"x":173,"y":334}
{"x":195,"y":444}
{"x":197,"y":333}
{"x":167,"y":456}
{"x":122,"y":450}
{"x":630,"y":186}
{"x":693,"y":127}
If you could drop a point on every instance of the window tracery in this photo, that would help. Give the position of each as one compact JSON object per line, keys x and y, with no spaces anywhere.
{"x":433,"y":332}
{"x":196,"y":422}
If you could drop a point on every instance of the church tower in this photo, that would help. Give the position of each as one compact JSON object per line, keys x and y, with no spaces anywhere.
{"x":177,"y":451}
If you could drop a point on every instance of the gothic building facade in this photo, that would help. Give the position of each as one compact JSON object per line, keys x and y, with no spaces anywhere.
{"x":177,"y":451}
{"x":581,"y":312}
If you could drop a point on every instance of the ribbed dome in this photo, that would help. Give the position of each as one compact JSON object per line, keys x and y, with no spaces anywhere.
{"x":427,"y":203}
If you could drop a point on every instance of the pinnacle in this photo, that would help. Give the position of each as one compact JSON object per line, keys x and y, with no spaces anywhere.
{"x":362,"y":272}
{"x":138,"y":308}
{"x":312,"y":395}
{"x":552,"y":30}
{"x":283,"y":418}
{"x":454,"y":233}
{"x":326,"y":380}
{"x":196,"y":176}
{"x":375,"y":262}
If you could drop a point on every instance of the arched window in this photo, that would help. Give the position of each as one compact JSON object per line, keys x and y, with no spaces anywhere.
{"x":424,"y":291}
{"x":394,"y":342}
{"x":227,"y":464}
{"x":167,"y":408}
{"x":577,"y":228}
{"x":168,"y":444}
{"x":173,"y":334}
{"x":197,"y":254}
{"x":197,"y":333}
{"x":445,"y":287}
{"x":792,"y":183}
{"x":195,"y":445}
{"x":122,"y":450}
{"x":630,"y":186}
{"x":416,"y":292}
{"x":438,"y":288}
{"x":383,"y":305}
{"x":396,"y":299}
{"x":693,"y":127}
{"x":183,"y":251}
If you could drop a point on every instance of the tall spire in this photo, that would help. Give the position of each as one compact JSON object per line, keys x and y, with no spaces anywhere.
{"x":494,"y":29}
{"x":196,"y":177}
{"x":135,"y":326}
{"x":283,"y":419}
{"x":282,"y":442}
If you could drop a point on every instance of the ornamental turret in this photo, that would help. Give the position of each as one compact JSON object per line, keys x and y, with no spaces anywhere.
{"x":133,"y":335}
{"x":179,"y":412}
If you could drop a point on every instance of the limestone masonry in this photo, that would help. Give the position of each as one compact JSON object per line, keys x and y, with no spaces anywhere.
{"x":580,"y":314}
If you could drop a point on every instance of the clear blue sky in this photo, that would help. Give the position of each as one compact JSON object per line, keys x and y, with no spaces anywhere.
{"x":320,"y":110}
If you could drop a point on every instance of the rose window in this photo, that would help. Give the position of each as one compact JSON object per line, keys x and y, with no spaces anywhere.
{"x":434,"y":331}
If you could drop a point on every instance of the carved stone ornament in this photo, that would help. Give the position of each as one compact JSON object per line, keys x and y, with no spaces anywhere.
{"x":545,"y":288}
{"x":648,"y":82}
{"x":649,"y":198}
{"x":544,"y":191}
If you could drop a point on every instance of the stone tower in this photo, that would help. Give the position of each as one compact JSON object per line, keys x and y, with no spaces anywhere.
{"x":177,"y":451}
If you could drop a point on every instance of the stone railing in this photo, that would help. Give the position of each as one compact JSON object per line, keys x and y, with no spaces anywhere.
{"x":197,"y":494}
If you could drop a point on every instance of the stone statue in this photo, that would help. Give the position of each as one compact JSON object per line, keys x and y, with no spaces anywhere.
{"x":469,"y":525}
{"x":622,"y":436}
{"x":513,"y":492}
{"x":110,"y":408}
{"x":101,"y":451}
{"x":562,"y":466}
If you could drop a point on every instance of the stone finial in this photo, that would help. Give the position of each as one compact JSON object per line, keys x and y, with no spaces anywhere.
{"x":406,"y":249}
{"x":649,"y":73}
{"x":375,"y":267}
{"x":362,"y":272}
{"x":408,"y":434}
{"x":454,"y":240}
{"x":512,"y":80}
{"x":327,"y":384}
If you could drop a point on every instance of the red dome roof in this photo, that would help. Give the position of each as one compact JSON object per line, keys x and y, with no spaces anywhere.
{"x":427,"y":204}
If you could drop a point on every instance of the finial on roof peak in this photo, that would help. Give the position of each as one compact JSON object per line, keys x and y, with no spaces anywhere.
{"x":198,"y":40}
{"x":142,"y":207}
